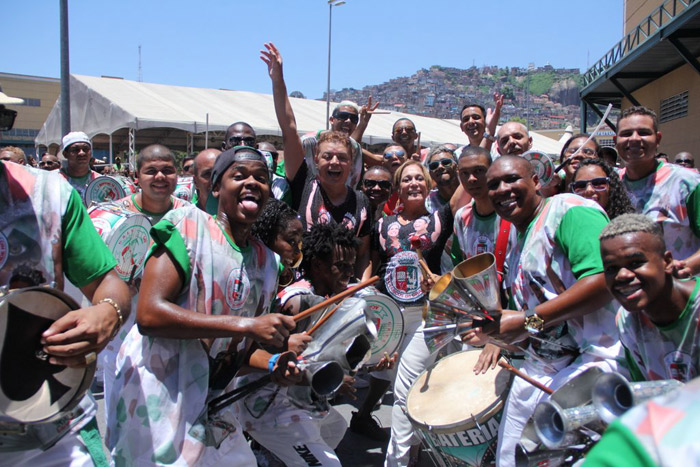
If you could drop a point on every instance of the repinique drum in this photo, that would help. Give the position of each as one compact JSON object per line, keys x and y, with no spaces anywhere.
{"x":31,"y":389}
{"x":542,"y":165}
{"x":126,"y":234}
{"x":108,"y":188}
{"x":456,"y":412}
{"x":389,"y":322}
{"x":184,"y":188}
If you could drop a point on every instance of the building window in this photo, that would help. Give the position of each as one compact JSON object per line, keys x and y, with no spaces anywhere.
{"x":674,"y":107}
{"x":21,"y":133}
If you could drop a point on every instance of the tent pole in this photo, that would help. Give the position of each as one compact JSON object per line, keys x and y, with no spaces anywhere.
{"x":206,"y":134}
{"x":111,"y":159}
{"x":132,"y":148}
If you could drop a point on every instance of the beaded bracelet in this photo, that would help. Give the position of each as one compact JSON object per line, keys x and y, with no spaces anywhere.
{"x":120,"y":316}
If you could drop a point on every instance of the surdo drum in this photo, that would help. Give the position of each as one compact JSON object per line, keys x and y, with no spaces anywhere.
{"x":31,"y":389}
{"x":108,"y":188}
{"x":388,"y":319}
{"x":126,"y":234}
{"x":456,"y":412}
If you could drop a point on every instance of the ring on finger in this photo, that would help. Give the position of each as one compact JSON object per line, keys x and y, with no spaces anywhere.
{"x":90,"y":358}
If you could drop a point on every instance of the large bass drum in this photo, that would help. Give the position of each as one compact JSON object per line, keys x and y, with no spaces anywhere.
{"x":456,"y":412}
{"x":108,"y":188}
{"x":388,"y":320}
{"x":32,"y":390}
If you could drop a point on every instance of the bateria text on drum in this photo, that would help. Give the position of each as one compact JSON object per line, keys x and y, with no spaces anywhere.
{"x":456,"y":412}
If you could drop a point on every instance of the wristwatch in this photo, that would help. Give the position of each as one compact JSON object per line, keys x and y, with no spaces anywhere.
{"x":533,"y":323}
{"x":489,"y":137}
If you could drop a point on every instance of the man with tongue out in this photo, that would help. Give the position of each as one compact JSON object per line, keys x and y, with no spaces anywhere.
{"x":203,"y":307}
{"x":325,"y":196}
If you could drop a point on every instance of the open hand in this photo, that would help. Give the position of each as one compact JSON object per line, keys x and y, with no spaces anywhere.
{"x":273,"y":59}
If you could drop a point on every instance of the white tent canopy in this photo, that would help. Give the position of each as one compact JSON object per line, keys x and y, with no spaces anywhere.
{"x":105,"y":105}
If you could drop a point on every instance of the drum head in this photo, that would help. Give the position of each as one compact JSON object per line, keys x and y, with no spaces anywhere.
{"x":449,"y":397}
{"x":389,"y":322}
{"x":33,"y":390}
{"x":104,"y":189}
{"x":542,"y":165}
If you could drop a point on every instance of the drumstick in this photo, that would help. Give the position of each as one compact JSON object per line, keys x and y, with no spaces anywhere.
{"x":522,"y":375}
{"x":324,"y":318}
{"x":336,"y":298}
{"x":415,"y":243}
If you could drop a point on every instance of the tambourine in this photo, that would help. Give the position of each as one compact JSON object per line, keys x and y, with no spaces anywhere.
{"x":542,"y":165}
{"x":32,"y":390}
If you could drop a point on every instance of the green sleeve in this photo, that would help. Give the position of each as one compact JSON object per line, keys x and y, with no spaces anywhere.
{"x":635,"y":372}
{"x":618,"y":447}
{"x":577,"y":235}
{"x":693,"y":205}
{"x":166,"y":236}
{"x":85,"y":255}
{"x":456,"y":252}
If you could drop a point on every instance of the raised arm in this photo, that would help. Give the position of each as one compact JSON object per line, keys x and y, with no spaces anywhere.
{"x":365,"y":116}
{"x":492,"y":118}
{"x":293,"y":151}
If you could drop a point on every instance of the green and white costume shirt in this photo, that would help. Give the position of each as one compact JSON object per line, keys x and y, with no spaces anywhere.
{"x":662,"y":352}
{"x":164,"y":383}
{"x":670,"y":196}
{"x":559,"y":247}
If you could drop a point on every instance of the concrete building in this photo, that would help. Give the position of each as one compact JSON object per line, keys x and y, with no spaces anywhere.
{"x":655,"y":65}
{"x":40,"y":95}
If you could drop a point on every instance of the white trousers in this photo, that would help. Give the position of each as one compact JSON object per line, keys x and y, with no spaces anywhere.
{"x":69,"y":451}
{"x":414,"y":359}
{"x":523,"y":399}
{"x":305,"y":442}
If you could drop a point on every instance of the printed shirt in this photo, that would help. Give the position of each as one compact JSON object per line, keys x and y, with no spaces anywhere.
{"x":434,"y":201}
{"x":80,"y":183}
{"x":309,"y":200}
{"x":398,"y":260}
{"x":129,"y":203}
{"x":476,"y":234}
{"x":669,"y":195}
{"x":45,"y":233}
{"x":280,"y":189}
{"x":559,"y":247}
{"x":163,"y":384}
{"x":662,"y":352}
{"x":309,"y":142}
{"x":663,"y":431}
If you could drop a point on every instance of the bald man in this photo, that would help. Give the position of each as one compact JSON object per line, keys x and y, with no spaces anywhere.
{"x":203,"y":166}
{"x":513,"y":139}
{"x":239,"y":134}
{"x":13,"y":154}
{"x":684,"y":159}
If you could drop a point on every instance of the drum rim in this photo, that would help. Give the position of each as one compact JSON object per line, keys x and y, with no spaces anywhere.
{"x":480,"y":418}
{"x":89,"y":370}
{"x":119,"y":187}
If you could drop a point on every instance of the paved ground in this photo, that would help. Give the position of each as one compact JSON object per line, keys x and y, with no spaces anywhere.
{"x":354,"y":450}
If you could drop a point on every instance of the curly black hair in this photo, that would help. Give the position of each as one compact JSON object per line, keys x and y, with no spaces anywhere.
{"x":273,"y":220}
{"x":619,"y":201}
{"x":320,"y":241}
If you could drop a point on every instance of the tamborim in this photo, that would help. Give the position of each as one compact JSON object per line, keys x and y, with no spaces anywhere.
{"x":126,"y":234}
{"x":31,"y":389}
{"x":184,"y":188}
{"x":108,"y":188}
{"x":388,"y":319}
{"x":457,"y":412}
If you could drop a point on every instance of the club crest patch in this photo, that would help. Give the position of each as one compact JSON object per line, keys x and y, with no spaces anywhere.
{"x":237,"y":288}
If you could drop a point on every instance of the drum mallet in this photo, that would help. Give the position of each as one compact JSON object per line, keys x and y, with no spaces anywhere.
{"x":415,"y":243}
{"x":336,"y":298}
{"x":522,"y":375}
{"x":325,"y":318}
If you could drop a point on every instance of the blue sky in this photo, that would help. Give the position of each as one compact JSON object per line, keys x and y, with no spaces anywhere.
{"x":215,"y":44}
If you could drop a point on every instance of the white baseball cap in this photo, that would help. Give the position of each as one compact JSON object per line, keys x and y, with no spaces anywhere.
{"x":75,"y":137}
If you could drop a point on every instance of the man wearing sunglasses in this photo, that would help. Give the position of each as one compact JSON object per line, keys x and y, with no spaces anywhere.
{"x":376,"y":185}
{"x":49,"y":162}
{"x":664,"y":192}
{"x":77,"y":149}
{"x":239,"y":134}
{"x":442,"y":166}
{"x":684,"y":159}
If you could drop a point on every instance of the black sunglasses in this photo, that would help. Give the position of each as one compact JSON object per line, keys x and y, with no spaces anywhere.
{"x":444,"y":162}
{"x":684,"y":161}
{"x":354,"y":118}
{"x":242,"y":141}
{"x":598,"y":184}
{"x":383,"y":184}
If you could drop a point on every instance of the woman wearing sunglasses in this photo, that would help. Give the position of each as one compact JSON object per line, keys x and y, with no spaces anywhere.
{"x":595,"y":180}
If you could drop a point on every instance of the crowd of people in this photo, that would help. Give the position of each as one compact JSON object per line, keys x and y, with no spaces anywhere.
{"x":596,"y":269}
